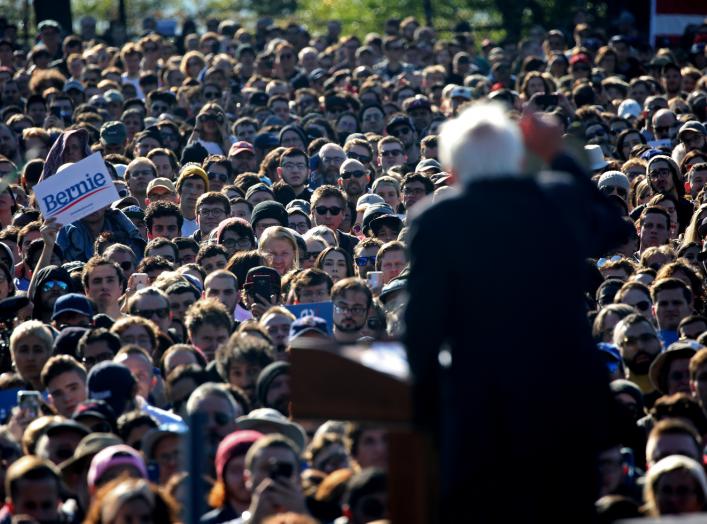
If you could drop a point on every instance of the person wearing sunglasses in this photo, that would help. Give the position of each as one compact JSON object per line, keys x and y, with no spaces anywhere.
{"x":614,"y":183}
{"x":219,"y":170}
{"x":401,"y":126}
{"x":211,"y":129}
{"x":328,"y":204}
{"x":365,"y":254}
{"x":638,"y":296}
{"x":152,"y":304}
{"x":48,"y":284}
{"x":353,"y":179}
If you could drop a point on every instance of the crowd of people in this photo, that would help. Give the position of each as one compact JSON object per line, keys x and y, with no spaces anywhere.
{"x":264,"y":167}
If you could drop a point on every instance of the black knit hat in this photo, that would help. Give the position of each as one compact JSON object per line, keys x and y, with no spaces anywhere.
{"x":269,"y":209}
{"x":266,"y":378}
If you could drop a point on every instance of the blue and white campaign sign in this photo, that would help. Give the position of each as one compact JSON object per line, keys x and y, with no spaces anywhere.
{"x":76,"y":191}
{"x":323,"y":310}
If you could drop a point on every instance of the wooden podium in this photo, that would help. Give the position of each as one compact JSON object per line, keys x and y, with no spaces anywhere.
{"x":335,"y":383}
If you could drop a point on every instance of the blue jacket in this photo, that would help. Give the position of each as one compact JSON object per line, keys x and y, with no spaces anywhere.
{"x":77,"y":241}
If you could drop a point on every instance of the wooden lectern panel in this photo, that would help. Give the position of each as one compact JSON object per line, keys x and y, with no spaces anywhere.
{"x":333,"y":383}
{"x":326,"y":384}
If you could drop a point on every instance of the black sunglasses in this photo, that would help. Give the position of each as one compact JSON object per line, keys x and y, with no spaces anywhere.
{"x":323,"y":210}
{"x":356,"y":174}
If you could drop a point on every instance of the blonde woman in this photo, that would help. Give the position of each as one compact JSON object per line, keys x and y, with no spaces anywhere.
{"x":278,"y":248}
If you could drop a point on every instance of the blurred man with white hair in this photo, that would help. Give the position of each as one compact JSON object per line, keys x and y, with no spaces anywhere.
{"x":497,"y":337}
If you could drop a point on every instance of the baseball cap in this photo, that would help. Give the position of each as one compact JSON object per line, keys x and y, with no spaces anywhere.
{"x":134,"y":212}
{"x":66,"y":425}
{"x":317,"y":74}
{"x":374,"y":211}
{"x":428,"y":164}
{"x":368,"y":199}
{"x":240,"y":147}
{"x":113,"y":133}
{"x":308,"y":324}
{"x":579,"y":57}
{"x":397,"y":121}
{"x":460,"y":92}
{"x":265,"y":140}
{"x":693,"y":126}
{"x":165,"y":183}
{"x":73,"y":84}
{"x":300,"y":205}
{"x":395,"y":285}
{"x":72,"y":303}
{"x":95,"y":408}
{"x":113,"y":383}
{"x":416,"y":102}
{"x":629,"y":108}
{"x":113,"y":95}
{"x":111,"y":457}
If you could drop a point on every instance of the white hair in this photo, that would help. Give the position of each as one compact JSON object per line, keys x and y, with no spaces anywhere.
{"x":36,"y":328}
{"x":667,"y":465}
{"x":482,"y":142}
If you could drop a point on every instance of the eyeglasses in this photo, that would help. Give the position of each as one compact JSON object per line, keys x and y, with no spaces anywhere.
{"x":149,"y":313}
{"x":211,"y":95}
{"x":391,"y":152}
{"x":101,"y":357}
{"x":364,"y":261}
{"x":126,"y":266}
{"x":312,"y":255}
{"x":217,"y":176}
{"x":60,"y":284}
{"x":356,"y":174}
{"x":644,"y":338}
{"x":354,"y":310}
{"x":242,"y":243}
{"x":217,"y":211}
{"x":610,"y":190}
{"x":663,"y":172}
{"x":361,"y":158}
{"x":404,"y":130}
{"x":323,"y":210}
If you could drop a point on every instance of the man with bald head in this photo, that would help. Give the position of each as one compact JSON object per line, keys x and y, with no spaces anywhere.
{"x":665,"y":127}
{"x":353,"y":179}
{"x":331,"y":156}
